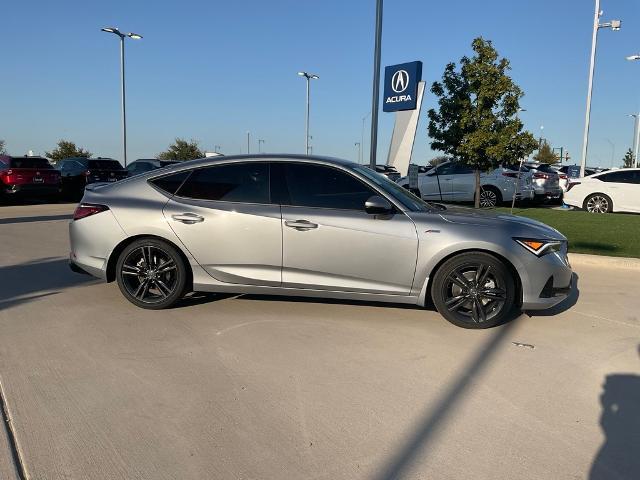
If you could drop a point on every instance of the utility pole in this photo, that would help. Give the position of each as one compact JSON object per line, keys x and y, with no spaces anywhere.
{"x":375,"y":100}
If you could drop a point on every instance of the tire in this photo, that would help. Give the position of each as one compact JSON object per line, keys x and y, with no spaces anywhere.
{"x":490,"y":197}
{"x":598,"y":203}
{"x":151,"y":274}
{"x":471,"y":301}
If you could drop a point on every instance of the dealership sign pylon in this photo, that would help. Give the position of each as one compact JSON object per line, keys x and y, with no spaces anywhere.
{"x":403,"y":92}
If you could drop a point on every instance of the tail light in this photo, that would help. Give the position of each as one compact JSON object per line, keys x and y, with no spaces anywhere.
{"x":7,"y":176}
{"x":571,"y":185}
{"x":85,"y":210}
{"x":562,"y":176}
{"x":541,"y":175}
{"x":510,"y":174}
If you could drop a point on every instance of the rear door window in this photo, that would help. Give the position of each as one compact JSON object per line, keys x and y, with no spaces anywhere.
{"x":30,"y":162}
{"x":171,"y":183}
{"x":104,"y":165}
{"x":620,"y":176}
{"x":235,"y":182}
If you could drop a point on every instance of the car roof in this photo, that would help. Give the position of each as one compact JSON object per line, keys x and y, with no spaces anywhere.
{"x":260,"y":157}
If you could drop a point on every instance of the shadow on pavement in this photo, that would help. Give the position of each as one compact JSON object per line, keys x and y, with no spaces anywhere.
{"x":619,"y":457}
{"x":26,"y":282}
{"x":433,"y":420}
{"x":43,"y":218}
{"x":563,"y":306}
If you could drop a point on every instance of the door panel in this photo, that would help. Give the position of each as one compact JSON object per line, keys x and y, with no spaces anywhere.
{"x":234,"y":242}
{"x":348,"y":250}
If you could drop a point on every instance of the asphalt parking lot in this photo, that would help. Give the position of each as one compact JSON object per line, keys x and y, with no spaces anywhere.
{"x":271,"y":388}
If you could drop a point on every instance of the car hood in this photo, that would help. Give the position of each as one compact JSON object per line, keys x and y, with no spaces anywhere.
{"x":516,"y":226}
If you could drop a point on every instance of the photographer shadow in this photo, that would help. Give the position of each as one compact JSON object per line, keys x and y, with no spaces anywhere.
{"x":619,"y":456}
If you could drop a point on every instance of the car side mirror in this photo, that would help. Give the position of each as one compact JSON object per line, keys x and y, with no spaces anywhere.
{"x":377,"y":205}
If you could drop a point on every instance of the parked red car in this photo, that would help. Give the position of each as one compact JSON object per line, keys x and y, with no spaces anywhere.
{"x":26,"y":176}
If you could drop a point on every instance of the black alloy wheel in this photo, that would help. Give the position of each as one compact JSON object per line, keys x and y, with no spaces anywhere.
{"x":474,"y":290}
{"x":151,"y":274}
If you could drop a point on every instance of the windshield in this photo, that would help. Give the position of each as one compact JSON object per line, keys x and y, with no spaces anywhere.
{"x":401,"y":194}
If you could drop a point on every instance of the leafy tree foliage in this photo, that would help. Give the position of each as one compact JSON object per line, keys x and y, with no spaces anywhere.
{"x":435,"y":161}
{"x":67,"y":149}
{"x":628,"y":159}
{"x":182,"y":150}
{"x":545,"y":154}
{"x":476,"y":120}
{"x":2,"y":150}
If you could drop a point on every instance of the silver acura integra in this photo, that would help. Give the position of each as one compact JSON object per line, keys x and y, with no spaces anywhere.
{"x":314,"y":227}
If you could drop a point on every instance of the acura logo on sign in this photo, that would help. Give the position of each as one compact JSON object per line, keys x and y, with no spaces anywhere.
{"x":400,"y":81}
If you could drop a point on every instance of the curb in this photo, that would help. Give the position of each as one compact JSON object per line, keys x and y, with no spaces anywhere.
{"x":583,"y":259}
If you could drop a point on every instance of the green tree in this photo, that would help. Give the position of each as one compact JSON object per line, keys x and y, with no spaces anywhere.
{"x":476,"y":120}
{"x":66,"y":149}
{"x":435,"y":161}
{"x":182,"y":150}
{"x":2,"y":150}
{"x":628,"y":159}
{"x":545,"y":154}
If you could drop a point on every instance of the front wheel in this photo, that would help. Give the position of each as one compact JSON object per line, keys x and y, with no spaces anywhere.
{"x":151,"y":274}
{"x":474,"y":290}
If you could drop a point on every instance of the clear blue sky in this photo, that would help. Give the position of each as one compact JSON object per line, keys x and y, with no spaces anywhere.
{"x":212,"y":70}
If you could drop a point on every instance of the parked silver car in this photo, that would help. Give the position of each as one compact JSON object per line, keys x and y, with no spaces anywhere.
{"x":315,"y":227}
{"x":455,"y":182}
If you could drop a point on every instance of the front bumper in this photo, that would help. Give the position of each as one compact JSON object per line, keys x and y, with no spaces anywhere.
{"x":548,"y":281}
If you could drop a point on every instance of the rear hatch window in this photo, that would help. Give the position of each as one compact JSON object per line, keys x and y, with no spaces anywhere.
{"x":29,"y":162}
{"x":104,"y":165}
{"x":545,"y":168}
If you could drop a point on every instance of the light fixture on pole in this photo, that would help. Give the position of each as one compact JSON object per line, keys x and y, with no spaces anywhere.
{"x":615,"y":26}
{"x":309,"y":77}
{"x":122,"y":36}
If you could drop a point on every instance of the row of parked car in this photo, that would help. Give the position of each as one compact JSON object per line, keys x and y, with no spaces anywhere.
{"x":597,"y":192}
{"x":35,"y":176}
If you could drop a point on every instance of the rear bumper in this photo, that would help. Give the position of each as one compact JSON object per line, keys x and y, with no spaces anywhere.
{"x":32,"y":189}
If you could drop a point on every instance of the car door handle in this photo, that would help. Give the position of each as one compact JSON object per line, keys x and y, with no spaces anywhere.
{"x":300,"y":224}
{"x":188,"y":218}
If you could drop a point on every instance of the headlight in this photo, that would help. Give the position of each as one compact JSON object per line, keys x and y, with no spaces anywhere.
{"x":540,"y":247}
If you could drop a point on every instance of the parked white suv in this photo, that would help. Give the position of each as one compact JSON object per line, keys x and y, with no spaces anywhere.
{"x":611,"y":191}
{"x":455,"y":182}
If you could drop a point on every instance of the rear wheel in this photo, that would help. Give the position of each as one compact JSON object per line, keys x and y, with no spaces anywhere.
{"x":151,"y":274}
{"x":489,"y":197}
{"x":474,"y":290}
{"x":598,"y":203}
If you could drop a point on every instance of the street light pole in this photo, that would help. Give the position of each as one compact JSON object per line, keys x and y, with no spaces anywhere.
{"x":362,"y":137}
{"x":260,"y":141}
{"x":309,"y":77}
{"x":373,"y":147}
{"x":614,"y":25}
{"x":636,"y":137}
{"x":122,"y":36}
{"x":248,"y":143}
{"x":358,"y":144}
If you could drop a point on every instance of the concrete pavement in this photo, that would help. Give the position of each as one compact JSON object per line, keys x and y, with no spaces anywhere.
{"x":248,"y":387}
